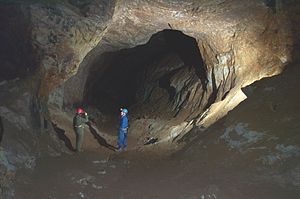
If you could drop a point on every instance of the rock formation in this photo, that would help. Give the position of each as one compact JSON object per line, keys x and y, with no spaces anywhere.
{"x":175,"y":64}
{"x":236,"y":43}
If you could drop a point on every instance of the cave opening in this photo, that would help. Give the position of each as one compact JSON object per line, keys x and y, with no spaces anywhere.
{"x":147,"y":79}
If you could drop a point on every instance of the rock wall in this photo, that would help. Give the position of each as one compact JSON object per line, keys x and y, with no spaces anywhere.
{"x":240,"y":42}
{"x":54,"y":45}
{"x":248,"y":30}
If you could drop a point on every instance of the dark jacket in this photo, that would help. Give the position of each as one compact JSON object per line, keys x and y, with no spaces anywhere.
{"x":79,"y":120}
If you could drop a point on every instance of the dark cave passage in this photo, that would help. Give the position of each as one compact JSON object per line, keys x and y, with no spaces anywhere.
{"x":143,"y":74}
{"x":18,"y":59}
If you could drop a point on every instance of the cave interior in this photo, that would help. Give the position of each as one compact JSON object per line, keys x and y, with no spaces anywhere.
{"x":139,"y":78}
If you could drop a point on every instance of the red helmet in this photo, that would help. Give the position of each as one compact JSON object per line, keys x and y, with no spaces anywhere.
{"x":80,"y":110}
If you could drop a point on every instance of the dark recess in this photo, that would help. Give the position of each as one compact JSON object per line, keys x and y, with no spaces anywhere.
{"x":1,"y":130}
{"x":17,"y":57}
{"x":271,"y":4}
{"x":117,"y":85}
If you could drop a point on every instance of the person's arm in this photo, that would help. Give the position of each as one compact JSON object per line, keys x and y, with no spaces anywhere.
{"x":127,"y":123}
{"x":84,"y":118}
{"x":124,"y":123}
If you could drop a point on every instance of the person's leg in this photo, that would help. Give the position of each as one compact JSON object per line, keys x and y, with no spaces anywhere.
{"x":125,"y":140}
{"x":121,"y":139}
{"x":79,"y":139}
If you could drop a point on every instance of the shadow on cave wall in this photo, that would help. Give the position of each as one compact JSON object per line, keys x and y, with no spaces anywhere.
{"x":67,"y":142}
{"x":100,"y":139}
{"x":62,"y":136}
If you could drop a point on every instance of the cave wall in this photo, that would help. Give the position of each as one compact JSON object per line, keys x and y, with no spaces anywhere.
{"x":248,"y":30}
{"x":71,"y":36}
{"x":61,"y":43}
{"x":240,"y":42}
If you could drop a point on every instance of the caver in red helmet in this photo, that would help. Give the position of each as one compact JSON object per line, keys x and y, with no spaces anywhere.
{"x":80,"y":110}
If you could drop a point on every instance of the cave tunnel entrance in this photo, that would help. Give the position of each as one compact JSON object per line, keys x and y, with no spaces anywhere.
{"x":140,"y":78}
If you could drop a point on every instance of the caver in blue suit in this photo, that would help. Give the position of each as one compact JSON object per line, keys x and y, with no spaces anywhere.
{"x":122,"y":141}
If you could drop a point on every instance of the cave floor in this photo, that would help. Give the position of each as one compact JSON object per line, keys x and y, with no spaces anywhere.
{"x":132,"y":174}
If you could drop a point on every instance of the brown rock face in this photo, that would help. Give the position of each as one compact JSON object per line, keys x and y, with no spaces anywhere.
{"x":175,"y":64}
{"x":189,"y":74}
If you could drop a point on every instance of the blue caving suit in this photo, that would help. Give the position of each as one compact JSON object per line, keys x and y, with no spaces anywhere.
{"x":123,"y":132}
